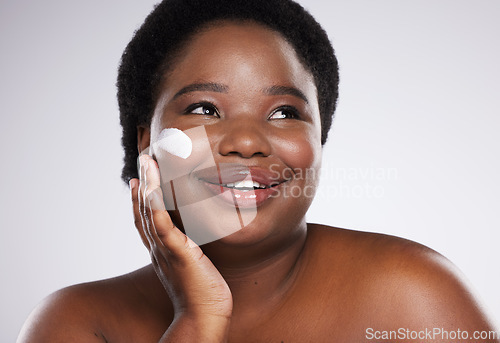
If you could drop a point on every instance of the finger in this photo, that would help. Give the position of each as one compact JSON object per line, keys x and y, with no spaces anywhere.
{"x":172,"y":243}
{"x":160,"y":227}
{"x":160,"y":266}
{"x":150,"y":185}
{"x":134,"y":191}
{"x":143,"y":166}
{"x":141,"y":200}
{"x":151,"y":174}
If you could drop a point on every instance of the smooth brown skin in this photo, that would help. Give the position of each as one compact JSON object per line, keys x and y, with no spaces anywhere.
{"x":280,"y":279}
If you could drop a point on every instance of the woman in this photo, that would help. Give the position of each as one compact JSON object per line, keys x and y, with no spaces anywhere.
{"x":250,"y":87}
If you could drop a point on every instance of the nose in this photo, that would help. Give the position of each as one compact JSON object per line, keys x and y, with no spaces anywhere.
{"x":244,"y":138}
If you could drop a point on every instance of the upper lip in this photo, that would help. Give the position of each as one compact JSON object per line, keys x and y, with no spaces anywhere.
{"x":225,"y":173}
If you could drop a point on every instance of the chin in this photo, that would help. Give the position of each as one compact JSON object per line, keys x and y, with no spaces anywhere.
{"x":249,"y":235}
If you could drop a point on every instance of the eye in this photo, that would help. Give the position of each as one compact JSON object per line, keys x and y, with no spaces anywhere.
{"x":206,"y":109}
{"x":285,"y":112}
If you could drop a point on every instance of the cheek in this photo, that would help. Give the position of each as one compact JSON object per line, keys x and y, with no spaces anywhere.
{"x":178,"y":152}
{"x":299,"y":150}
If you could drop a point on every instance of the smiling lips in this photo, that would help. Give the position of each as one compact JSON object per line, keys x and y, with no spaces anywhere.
{"x":239,"y":185}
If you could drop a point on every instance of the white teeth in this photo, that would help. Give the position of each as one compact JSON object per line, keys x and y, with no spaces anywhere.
{"x":245,"y":184}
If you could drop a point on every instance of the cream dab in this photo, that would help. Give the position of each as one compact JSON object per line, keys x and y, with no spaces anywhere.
{"x":175,"y":142}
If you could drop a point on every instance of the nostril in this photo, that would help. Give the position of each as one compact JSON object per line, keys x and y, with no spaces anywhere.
{"x":245,"y":141}
{"x":243,"y":154}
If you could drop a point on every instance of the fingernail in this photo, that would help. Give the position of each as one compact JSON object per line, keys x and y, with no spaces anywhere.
{"x":155,"y":200}
{"x":132,"y":183}
{"x":191,"y":243}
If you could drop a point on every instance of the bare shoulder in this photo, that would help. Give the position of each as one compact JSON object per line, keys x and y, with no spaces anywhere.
{"x":116,"y":309}
{"x":399,"y":282}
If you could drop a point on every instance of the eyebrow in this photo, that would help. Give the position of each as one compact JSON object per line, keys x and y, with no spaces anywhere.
{"x":197,"y":87}
{"x":285,"y":90}
{"x":221,"y":88}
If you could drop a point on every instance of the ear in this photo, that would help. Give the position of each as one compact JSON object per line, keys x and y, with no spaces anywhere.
{"x":143,"y":138}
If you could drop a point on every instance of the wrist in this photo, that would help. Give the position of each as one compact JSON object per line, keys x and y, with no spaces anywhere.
{"x":206,"y":310}
{"x":205,"y":318}
{"x":198,"y":327}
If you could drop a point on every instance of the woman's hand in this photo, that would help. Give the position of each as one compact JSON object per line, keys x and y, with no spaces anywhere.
{"x":201,"y":297}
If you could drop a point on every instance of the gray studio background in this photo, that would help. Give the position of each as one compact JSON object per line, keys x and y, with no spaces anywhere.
{"x":413,"y":151}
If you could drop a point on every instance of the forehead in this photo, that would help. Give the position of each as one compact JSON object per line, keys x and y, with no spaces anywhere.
{"x":230,"y":52}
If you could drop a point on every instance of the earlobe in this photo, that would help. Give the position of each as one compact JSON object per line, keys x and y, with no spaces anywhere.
{"x":143,"y":138}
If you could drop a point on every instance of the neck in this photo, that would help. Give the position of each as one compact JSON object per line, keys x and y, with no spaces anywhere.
{"x":261,"y":274}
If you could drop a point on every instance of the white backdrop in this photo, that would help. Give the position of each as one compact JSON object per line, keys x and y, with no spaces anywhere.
{"x":413,"y":150}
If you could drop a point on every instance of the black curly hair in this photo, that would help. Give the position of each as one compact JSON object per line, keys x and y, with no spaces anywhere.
{"x":171,"y":24}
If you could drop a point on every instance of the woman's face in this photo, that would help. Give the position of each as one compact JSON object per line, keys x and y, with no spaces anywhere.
{"x":249,"y":109}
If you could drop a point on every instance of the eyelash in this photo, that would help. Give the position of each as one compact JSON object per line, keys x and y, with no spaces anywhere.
{"x":206,"y":106}
{"x":291,"y":111}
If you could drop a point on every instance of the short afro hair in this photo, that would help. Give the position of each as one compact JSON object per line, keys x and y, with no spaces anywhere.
{"x":170,"y":25}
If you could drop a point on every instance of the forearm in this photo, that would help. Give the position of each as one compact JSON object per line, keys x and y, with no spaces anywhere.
{"x":190,"y":328}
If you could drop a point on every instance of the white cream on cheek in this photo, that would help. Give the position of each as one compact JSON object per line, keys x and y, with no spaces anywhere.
{"x":175,"y":142}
